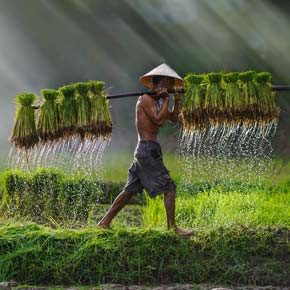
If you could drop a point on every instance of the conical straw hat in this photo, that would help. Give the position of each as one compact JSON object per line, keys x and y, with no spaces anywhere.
{"x":161,"y":70}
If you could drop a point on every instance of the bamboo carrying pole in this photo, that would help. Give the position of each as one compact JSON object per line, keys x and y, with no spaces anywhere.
{"x":140,"y":93}
{"x":133,"y":94}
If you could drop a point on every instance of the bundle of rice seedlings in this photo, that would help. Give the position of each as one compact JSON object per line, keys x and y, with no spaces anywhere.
{"x":67,"y":111}
{"x":193,"y":117}
{"x":48,"y":118}
{"x":83,"y":109}
{"x":101,"y":123}
{"x":213,"y":103}
{"x":232,"y":97}
{"x":24,"y":133}
{"x":249,"y":104}
{"x":268,"y":110}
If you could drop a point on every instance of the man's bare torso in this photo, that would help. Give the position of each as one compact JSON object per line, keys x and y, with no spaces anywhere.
{"x":146,"y":129}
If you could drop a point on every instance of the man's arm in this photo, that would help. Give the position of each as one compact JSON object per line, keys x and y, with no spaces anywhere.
{"x":173,"y":116}
{"x":149,"y":107}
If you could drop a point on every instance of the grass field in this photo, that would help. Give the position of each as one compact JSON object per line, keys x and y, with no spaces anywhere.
{"x":241,"y":232}
{"x":234,"y":256}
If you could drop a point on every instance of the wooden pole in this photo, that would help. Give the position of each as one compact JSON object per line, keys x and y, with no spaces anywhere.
{"x":134,"y":94}
{"x":140,"y":93}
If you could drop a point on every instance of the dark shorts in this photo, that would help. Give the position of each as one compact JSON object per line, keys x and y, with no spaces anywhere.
{"x":148,"y":171}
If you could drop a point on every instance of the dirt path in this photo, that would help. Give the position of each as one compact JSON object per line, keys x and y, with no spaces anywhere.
{"x":14,"y":286}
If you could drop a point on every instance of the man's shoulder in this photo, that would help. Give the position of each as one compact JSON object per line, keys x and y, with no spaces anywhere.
{"x":146,"y":99}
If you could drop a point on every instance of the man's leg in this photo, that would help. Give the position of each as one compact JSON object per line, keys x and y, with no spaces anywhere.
{"x":169,"y":203}
{"x":117,"y":205}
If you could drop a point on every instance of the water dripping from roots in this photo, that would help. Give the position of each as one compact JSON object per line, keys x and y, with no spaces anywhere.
{"x":72,"y":155}
{"x":226,"y":154}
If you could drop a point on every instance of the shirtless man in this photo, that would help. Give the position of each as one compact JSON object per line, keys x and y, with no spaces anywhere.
{"x":148,"y":170}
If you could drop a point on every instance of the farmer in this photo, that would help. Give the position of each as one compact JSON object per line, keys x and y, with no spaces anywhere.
{"x":148,"y":170}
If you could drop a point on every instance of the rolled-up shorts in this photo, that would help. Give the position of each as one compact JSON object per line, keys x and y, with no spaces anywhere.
{"x":148,"y":171}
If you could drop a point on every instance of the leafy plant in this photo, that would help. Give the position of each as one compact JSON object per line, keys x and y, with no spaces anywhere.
{"x":192,"y":112}
{"x":67,"y":110}
{"x":230,"y":99}
{"x":101,"y":123}
{"x":266,"y":98}
{"x":213,"y":103}
{"x":24,"y":132}
{"x":48,"y":120}
{"x":83,"y":108}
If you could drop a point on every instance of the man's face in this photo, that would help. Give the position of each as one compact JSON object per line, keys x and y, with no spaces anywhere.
{"x":166,"y":82}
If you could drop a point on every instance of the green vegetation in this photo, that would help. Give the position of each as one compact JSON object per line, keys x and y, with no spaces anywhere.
{"x":79,"y":109}
{"x":101,"y":124}
{"x":266,"y":97}
{"x":192,"y":111}
{"x":48,"y":119}
{"x":232,"y":94}
{"x":24,"y":131}
{"x":233,"y":99}
{"x":49,"y":195}
{"x":83,"y":108}
{"x":241,"y":231}
{"x":209,"y":210}
{"x":213,"y":100}
{"x":37,"y":255}
{"x":67,"y":111}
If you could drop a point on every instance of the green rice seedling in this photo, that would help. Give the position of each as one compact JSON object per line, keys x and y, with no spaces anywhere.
{"x":192,"y":113}
{"x":37,"y":255}
{"x":83,"y":108}
{"x":218,"y":207}
{"x":48,"y":118}
{"x":24,"y":132}
{"x":67,"y":111}
{"x":214,"y":103}
{"x":266,"y":98}
{"x":232,"y":97}
{"x":249,"y":104}
{"x":101,"y":123}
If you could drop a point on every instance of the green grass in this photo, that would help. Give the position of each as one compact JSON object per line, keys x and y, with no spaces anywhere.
{"x":210,"y":210}
{"x":49,"y":196}
{"x":33,"y":254}
{"x":242,"y":232}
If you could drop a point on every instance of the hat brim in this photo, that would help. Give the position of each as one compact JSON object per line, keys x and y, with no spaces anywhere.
{"x":147,"y":81}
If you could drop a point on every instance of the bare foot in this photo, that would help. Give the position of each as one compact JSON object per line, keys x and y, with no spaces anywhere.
{"x":104,"y":227}
{"x":183,"y":232}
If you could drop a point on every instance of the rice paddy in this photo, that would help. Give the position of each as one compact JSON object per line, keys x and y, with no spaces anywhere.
{"x":225,"y":157}
{"x":232,"y":221}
